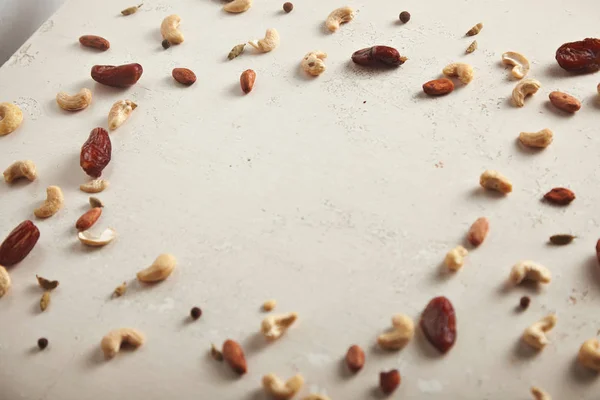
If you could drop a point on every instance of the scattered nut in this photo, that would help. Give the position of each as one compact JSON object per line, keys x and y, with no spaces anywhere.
{"x":281,"y":390}
{"x":42,"y":343}
{"x":119,"y":113}
{"x":19,"y":243}
{"x":247,"y":80}
{"x":47,"y":284}
{"x":478,"y":231}
{"x":273,"y":326}
{"x":165,"y":44}
{"x":45,"y":301}
{"x":20,"y":169}
{"x":76,"y":102}
{"x":112,"y":342}
{"x":523,"y":89}
{"x":215,"y":353}
{"x":560,"y":196}
{"x":88,"y":219}
{"x":519,"y":62}
{"x":54,"y":202}
{"x":539,"y":394}
{"x":535,"y":335}
{"x":564,"y":101}
{"x":89,"y":239}
{"x":11,"y":117}
{"x":131,"y":10}
{"x":95,"y":186}
{"x":402,"y":332}
{"x":4,"y":281}
{"x":528,"y":270}
{"x":120,"y":290}
{"x":389,"y":381}
{"x":96,"y":202}
{"x":288,"y":7}
{"x":160,"y":269}
{"x":472,"y":47}
{"x":233,"y":354}
{"x":589,"y":354}
{"x":313,"y":64}
{"x":355,"y":358}
{"x":438,"y":87}
{"x":339,"y":16}
{"x":169,"y":29}
{"x":237,"y":6}
{"x":455,"y":258}
{"x":236,"y":51}
{"x":493,"y":180}
{"x":524,"y":302}
{"x":269,"y":305}
{"x":475,"y":30}
{"x":463,"y":71}
{"x":404,"y":17}
{"x":184,"y":76}
{"x":540,"y":139}
{"x":195,"y":312}
{"x":270,"y":41}
{"x":561,"y":239}
{"x":94,"y":42}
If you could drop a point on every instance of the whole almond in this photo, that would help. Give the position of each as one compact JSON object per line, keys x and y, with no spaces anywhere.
{"x":234,"y":355}
{"x":355,"y":358}
{"x":565,"y":102}
{"x":389,"y":381}
{"x":247,"y":80}
{"x":88,"y":219}
{"x":560,"y":196}
{"x":18,"y":243}
{"x":184,"y":76}
{"x":478,"y":231}
{"x":95,"y":42}
{"x":438,"y":87}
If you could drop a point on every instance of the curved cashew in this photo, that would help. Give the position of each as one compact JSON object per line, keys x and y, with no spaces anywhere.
{"x":538,"y":139}
{"x":11,"y":117}
{"x":160,"y":269}
{"x":54,"y":202}
{"x":273,"y":326}
{"x":112,"y":342}
{"x":237,"y":6}
{"x":169,"y":29}
{"x":523,"y":89}
{"x":119,"y":113}
{"x":95,"y":186}
{"x":270,"y":41}
{"x":402,"y":332}
{"x":313,"y":64}
{"x":281,"y":390}
{"x":4,"y":281}
{"x":339,"y":16}
{"x":535,"y":335}
{"x":76,"y":102}
{"x":530,"y":271}
{"x":316,"y":397}
{"x":539,"y":394}
{"x":519,"y":61}
{"x":589,"y":354}
{"x":20,"y":169}
{"x":455,"y":258}
{"x":89,"y":239}
{"x":494,"y":180}
{"x":463,"y":71}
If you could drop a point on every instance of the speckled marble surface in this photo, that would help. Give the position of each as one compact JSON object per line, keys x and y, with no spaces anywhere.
{"x":338,"y":196}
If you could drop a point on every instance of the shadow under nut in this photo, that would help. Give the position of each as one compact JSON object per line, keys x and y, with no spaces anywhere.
{"x":117,"y":76}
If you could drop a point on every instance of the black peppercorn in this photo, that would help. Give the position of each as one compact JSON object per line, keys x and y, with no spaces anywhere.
{"x":166,"y":44}
{"x":42,"y":343}
{"x":196,"y":312}
{"x":288,"y":7}
{"x":404,"y":16}
{"x":524,"y":303}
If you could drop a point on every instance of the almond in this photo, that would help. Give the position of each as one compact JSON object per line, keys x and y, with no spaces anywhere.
{"x":389,"y":381}
{"x":565,"y":102}
{"x":88,"y":219}
{"x":560,"y":196}
{"x":355,"y":358}
{"x":234,"y":355}
{"x":247,"y":80}
{"x":438,"y":87}
{"x":95,"y":42}
{"x":478,"y":231}
{"x":184,"y":76}
{"x":19,"y":243}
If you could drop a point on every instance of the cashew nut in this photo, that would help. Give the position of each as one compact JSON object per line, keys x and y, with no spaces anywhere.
{"x":11,"y":117}
{"x":523,"y":89}
{"x":270,"y":41}
{"x":539,"y":394}
{"x":538,"y":139}
{"x":119,"y":113}
{"x":494,"y":180}
{"x":281,"y":390}
{"x":455,"y":258}
{"x":313,"y":64}
{"x":160,"y":269}
{"x":339,"y":16}
{"x":169,"y":29}
{"x":463,"y":71}
{"x":95,"y":186}
{"x":89,"y":239}
{"x":317,"y":397}
{"x":274,"y":326}
{"x":4,"y":281}
{"x":589,"y":354}
{"x":402,"y":332}
{"x":535,"y":335}
{"x":112,"y":342}
{"x":54,"y":202}
{"x":530,"y":271}
{"x":20,"y":169}
{"x":519,"y":61}
{"x":237,"y":6}
{"x":76,"y":102}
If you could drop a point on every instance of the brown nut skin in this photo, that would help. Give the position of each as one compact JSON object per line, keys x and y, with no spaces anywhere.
{"x":234,"y":355}
{"x":378,"y":56}
{"x":560,"y":196}
{"x":564,"y":101}
{"x":389,"y":381}
{"x":355,"y":358}
{"x":247,"y":80}
{"x":184,"y":76}
{"x":19,"y":243}
{"x":87,"y":220}
{"x":117,"y":76}
{"x":478,"y":231}
{"x":438,"y":87}
{"x":95,"y":42}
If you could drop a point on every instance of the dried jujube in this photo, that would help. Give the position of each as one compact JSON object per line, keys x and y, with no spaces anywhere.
{"x":581,"y":56}
{"x":438,"y":323}
{"x":96,"y":153}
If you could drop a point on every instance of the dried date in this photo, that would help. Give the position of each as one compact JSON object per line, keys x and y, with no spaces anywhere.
{"x":19,"y":243}
{"x":581,"y":56}
{"x":96,"y":153}
{"x":438,"y":323}
{"x":378,"y":56}
{"x":117,"y":76}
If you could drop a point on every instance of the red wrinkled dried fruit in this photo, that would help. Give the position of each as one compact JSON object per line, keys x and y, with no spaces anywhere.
{"x":378,"y":55}
{"x":19,"y":243}
{"x":560,"y":196}
{"x":95,"y":153}
{"x":117,"y":76}
{"x":438,"y":323}
{"x":581,"y":56}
